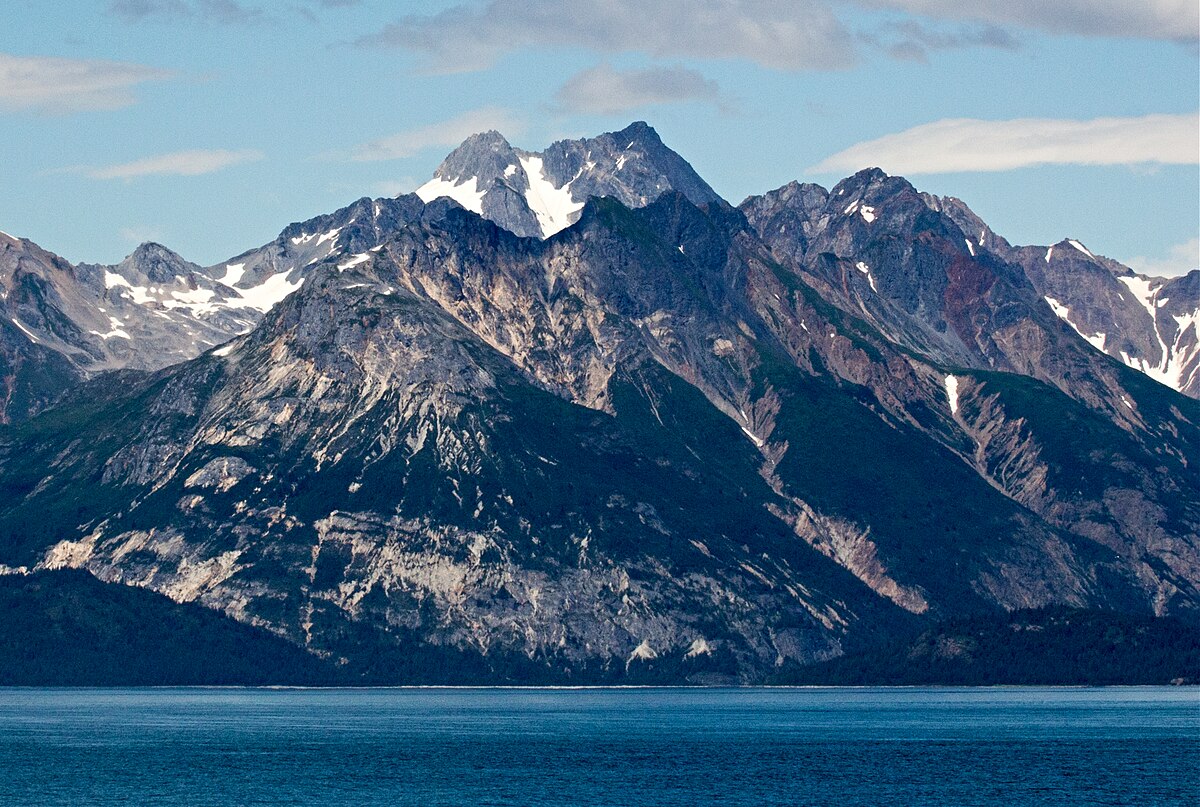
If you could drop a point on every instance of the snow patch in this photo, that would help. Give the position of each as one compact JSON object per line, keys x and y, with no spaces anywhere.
{"x":868,"y":213}
{"x":466,"y":192}
{"x":952,"y":393}
{"x":1081,"y":248}
{"x":140,"y":294}
{"x":116,"y":332}
{"x":330,"y":236}
{"x":25,"y":331}
{"x":1064,"y":313}
{"x":1049,"y":254}
{"x":234,"y":272}
{"x":866,"y":270}
{"x":361,"y":257}
{"x":753,"y":438}
{"x":699,"y":647}
{"x":555,"y":208}
{"x":266,"y":294}
{"x":198,"y":301}
{"x":224,"y":350}
{"x":1142,"y":291}
{"x":970,"y":247}
{"x":850,"y":208}
{"x":510,"y":170}
{"x":1061,"y":310}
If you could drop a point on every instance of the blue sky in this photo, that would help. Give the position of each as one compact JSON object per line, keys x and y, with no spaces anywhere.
{"x":209,"y":125}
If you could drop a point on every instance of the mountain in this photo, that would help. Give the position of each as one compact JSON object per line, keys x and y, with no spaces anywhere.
{"x":676,"y":441}
{"x":537,"y":194}
{"x":1151,"y":324}
{"x":63,"y":323}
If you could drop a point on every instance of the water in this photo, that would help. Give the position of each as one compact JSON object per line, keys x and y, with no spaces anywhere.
{"x":590,"y":747}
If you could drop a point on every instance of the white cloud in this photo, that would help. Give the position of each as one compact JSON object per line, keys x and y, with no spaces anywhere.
{"x":179,"y":163}
{"x":963,"y":144}
{"x":55,"y":85}
{"x":446,"y":133}
{"x":780,"y":34}
{"x":603,"y":90}
{"x":1181,"y":259}
{"x":1172,"y":20}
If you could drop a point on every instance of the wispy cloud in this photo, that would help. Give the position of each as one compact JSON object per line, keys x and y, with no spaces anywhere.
{"x":178,"y":163}
{"x":778,"y":34}
{"x":1172,"y":20}
{"x":1179,"y":260}
{"x":604,"y":90}
{"x":963,"y":144}
{"x":446,"y":133}
{"x":218,"y":11}
{"x":57,"y":86}
{"x":781,"y":34}
{"x":913,"y":40}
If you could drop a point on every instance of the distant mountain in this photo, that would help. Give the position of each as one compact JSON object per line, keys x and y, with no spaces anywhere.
{"x":1152,"y":324}
{"x":674,"y":441}
{"x":538,"y":194}
{"x":63,"y":323}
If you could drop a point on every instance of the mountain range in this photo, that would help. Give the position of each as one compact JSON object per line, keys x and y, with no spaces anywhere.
{"x":572,"y":417}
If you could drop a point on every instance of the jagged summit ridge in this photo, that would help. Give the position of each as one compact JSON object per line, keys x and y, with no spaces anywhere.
{"x":1151,"y":324}
{"x":538,"y":194}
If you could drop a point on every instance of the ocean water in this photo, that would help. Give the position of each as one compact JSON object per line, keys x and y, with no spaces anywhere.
{"x":961,"y":747}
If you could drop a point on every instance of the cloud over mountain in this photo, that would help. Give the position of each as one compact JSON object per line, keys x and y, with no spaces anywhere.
{"x":605,"y":90}
{"x":963,"y":144}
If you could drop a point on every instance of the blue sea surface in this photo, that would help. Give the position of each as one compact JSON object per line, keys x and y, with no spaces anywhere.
{"x":872,"y":746}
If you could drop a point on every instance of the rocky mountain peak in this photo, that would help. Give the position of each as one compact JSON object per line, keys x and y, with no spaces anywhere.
{"x":641,"y":133}
{"x":485,"y":156}
{"x":537,"y":194}
{"x":155,"y":263}
{"x":973,"y":227}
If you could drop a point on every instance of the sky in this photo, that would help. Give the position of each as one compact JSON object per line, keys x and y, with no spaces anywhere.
{"x":209,"y":125}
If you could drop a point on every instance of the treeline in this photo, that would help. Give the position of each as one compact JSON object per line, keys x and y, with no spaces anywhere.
{"x":1048,"y":646}
{"x":67,"y":628}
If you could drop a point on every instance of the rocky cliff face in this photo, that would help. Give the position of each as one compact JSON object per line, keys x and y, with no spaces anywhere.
{"x":1151,"y":324}
{"x":676,"y":441}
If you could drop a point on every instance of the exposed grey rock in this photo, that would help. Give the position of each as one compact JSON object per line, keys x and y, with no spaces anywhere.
{"x":537,"y":194}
